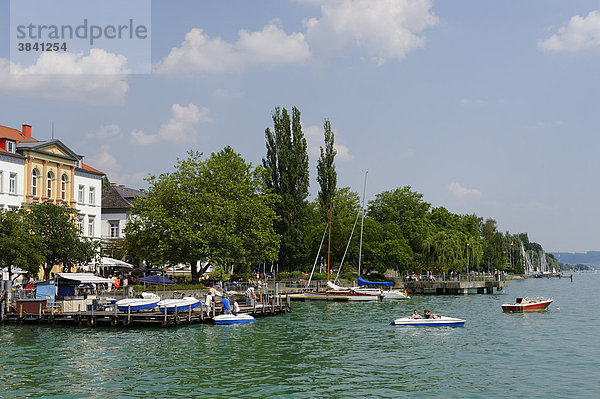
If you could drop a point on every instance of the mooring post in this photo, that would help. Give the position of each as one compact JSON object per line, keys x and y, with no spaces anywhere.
{"x":165,"y":321}
{"x":214,"y":310}
{"x":129,"y":314}
{"x":253,"y":308}
{"x":40,"y":310}
{"x":189,"y":313}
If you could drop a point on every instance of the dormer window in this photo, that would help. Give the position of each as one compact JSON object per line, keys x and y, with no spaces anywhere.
{"x":10,"y":146}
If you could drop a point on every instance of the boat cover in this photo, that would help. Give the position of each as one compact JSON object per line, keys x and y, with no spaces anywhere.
{"x":362,"y":281}
{"x":84,"y":278}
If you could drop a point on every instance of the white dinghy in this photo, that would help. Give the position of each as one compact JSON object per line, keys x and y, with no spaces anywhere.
{"x":179,"y":305}
{"x":137,"y":304}
{"x":234,"y":319}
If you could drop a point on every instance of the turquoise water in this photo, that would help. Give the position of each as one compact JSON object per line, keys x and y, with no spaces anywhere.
{"x":327,"y":350}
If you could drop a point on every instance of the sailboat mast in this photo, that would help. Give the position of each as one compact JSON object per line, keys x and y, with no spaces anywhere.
{"x":362,"y":222}
{"x":329,"y":242}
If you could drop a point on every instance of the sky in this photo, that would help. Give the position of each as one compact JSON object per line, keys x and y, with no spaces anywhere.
{"x":483,"y":106}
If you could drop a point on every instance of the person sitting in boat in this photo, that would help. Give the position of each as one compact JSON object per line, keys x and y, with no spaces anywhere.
{"x":427,"y":314}
{"x":416,"y":315}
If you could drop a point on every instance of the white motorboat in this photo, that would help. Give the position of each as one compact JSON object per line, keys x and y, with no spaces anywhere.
{"x":234,"y":319}
{"x":439,"y":322}
{"x":135,"y":304}
{"x":179,"y":305}
{"x":395,"y":294}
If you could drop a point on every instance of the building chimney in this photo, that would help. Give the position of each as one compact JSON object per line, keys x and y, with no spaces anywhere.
{"x":27,"y":131}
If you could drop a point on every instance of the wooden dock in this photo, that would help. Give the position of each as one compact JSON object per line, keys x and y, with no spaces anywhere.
{"x":117,"y":318}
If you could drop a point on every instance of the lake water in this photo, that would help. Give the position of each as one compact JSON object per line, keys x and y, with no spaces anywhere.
{"x":327,"y":350}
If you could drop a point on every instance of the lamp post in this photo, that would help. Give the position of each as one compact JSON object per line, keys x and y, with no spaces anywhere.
{"x":468,"y":278}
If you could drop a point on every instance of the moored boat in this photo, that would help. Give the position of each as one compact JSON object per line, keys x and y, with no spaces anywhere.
{"x":395,"y":294}
{"x":439,"y":322}
{"x":179,"y":305}
{"x":233,"y":319}
{"x":527,"y":304}
{"x":137,"y":304}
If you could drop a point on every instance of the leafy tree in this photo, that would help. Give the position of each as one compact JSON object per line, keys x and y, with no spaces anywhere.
{"x":61,"y":240}
{"x":215,"y":211}
{"x":19,"y":247}
{"x":286,"y":163}
{"x":326,"y":174}
{"x":493,"y":247}
{"x":407,"y":210}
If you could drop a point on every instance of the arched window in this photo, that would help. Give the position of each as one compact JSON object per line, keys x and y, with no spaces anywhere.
{"x":35,"y":174}
{"x":63,"y":187}
{"x":50,"y":177}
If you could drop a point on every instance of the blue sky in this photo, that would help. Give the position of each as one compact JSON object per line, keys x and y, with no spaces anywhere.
{"x":484,"y":107}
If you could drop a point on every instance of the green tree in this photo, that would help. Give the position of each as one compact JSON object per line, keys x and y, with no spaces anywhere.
{"x":215,"y":211}
{"x":286,"y":163}
{"x":19,"y":247}
{"x":326,"y":174}
{"x":407,"y":210}
{"x":62,"y":243}
{"x":493,"y":245}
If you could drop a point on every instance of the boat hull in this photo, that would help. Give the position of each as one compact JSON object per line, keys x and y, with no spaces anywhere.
{"x":136,"y":304}
{"x":441,"y":322}
{"x":526,"y":307}
{"x":225,"y":319}
{"x":179,"y":305}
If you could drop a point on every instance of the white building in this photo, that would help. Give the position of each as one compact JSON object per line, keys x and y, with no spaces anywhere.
{"x":34,"y":172}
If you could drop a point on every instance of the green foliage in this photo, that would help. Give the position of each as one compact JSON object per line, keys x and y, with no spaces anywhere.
{"x":62,"y":243}
{"x":326,"y":174}
{"x":216,"y":211}
{"x":286,"y":163}
{"x":19,"y":247}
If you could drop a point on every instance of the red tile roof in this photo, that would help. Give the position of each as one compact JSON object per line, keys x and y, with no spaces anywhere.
{"x":88,"y":167}
{"x":14,"y":134}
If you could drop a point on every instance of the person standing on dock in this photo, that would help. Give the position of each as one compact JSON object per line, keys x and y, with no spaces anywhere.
{"x":226,"y":305}
{"x":209,"y":299}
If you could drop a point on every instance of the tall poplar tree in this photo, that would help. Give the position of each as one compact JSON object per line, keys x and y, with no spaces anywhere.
{"x":287,"y":164}
{"x":326,"y":174}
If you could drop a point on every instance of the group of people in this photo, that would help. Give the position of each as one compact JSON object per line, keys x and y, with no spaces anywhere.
{"x":211,"y":298}
{"x":426,"y":315}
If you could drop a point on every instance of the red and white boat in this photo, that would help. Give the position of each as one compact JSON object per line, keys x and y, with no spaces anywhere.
{"x":527,"y":304}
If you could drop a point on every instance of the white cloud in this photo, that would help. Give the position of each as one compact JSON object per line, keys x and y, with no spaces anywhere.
{"x":476,"y":102}
{"x":99,"y":78}
{"x":581,"y":33}
{"x":461,"y":192}
{"x":315,"y":140}
{"x":199,"y":53}
{"x":382,"y":29}
{"x":107,"y":163}
{"x":106,"y":132}
{"x":181,"y":128}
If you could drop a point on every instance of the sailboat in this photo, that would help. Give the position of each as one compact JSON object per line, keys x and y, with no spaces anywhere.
{"x":334,"y":291}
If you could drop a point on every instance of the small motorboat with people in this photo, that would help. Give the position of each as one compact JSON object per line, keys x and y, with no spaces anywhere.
{"x":440,"y":321}
{"x":179,"y":305}
{"x":527,"y":304}
{"x":233,"y":319}
{"x":136,"y":304}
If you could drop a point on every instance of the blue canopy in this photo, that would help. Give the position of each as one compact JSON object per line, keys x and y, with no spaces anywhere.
{"x":362,"y":281}
{"x":157,"y":279}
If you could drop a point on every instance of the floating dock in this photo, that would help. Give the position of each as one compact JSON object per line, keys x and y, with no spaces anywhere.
{"x":446,"y":287}
{"x":117,"y":318}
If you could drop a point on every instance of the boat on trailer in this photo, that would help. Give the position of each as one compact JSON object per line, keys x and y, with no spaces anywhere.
{"x":179,"y":305}
{"x":233,"y":319}
{"x":441,"y":321}
{"x":527,"y":304}
{"x":136,"y":304}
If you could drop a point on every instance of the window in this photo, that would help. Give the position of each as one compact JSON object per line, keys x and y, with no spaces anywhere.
{"x":12,"y":183}
{"x":80,"y":194}
{"x":34,"y":182}
{"x":92,"y":195}
{"x":114,"y":228}
{"x":90,"y":226}
{"x":10,"y":146}
{"x":50,"y":177}
{"x":80,"y":224}
{"x":63,"y":187}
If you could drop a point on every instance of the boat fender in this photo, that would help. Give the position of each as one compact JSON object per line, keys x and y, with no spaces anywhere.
{"x":91,"y":322}
{"x":114,"y":321}
{"x":78,"y":318}
{"x":165,"y":323}
{"x":126,"y":322}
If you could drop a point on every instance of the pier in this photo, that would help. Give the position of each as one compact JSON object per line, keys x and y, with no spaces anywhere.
{"x":48,"y":315}
{"x":444,"y":285}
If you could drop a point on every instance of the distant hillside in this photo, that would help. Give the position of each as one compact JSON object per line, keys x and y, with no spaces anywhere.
{"x":573,"y":258}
